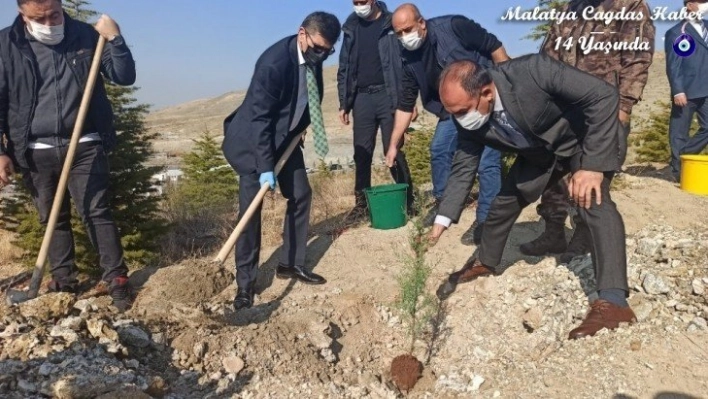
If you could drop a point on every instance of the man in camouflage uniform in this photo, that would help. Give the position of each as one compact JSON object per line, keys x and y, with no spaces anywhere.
{"x":627,"y":70}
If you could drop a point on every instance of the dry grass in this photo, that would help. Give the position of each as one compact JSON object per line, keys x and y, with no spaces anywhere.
{"x":332,"y":199}
{"x":8,"y":252}
{"x":200,"y":235}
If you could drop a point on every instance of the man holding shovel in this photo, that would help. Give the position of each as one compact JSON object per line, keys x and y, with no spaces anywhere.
{"x":282,"y":101}
{"x":45,"y":59}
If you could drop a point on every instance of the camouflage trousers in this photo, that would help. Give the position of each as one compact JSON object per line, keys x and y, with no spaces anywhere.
{"x":555,"y":202}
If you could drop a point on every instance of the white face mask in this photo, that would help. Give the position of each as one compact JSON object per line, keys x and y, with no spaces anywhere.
{"x":411,"y":41}
{"x":472,"y":120}
{"x":363,"y":11}
{"x":49,"y":35}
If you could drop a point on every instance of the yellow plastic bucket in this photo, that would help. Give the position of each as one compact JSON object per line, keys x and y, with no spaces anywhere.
{"x":694,"y":174}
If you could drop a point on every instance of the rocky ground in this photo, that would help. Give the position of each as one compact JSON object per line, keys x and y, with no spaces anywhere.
{"x":503,"y":336}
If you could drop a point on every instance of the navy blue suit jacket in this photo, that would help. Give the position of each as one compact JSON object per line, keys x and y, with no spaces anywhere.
{"x":258,"y":131}
{"x":687,"y":74}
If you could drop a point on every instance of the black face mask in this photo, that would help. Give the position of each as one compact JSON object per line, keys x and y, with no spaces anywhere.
{"x":314,"y":58}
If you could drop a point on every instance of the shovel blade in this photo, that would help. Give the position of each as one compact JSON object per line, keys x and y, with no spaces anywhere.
{"x":14,"y":297}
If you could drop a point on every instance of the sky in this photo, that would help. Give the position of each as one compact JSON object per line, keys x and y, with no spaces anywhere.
{"x":191,"y":49}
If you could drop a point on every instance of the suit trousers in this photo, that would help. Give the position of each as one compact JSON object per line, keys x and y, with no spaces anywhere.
{"x":373,"y":111}
{"x":679,"y":131}
{"x":609,"y":254}
{"x":295,"y":187}
{"x":555,"y":203}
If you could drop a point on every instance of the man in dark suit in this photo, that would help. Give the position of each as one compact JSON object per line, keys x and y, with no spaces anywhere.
{"x":689,"y":87}
{"x":487,"y":107}
{"x":283,"y":99}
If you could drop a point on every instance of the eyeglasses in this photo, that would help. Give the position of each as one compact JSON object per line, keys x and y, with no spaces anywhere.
{"x":319,"y":49}
{"x":361,"y":2}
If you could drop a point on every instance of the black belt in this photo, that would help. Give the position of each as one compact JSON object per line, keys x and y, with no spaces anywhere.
{"x":371,"y":89}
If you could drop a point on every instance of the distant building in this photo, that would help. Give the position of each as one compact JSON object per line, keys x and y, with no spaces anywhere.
{"x":174,"y":175}
{"x":171,"y":175}
{"x":168,"y":176}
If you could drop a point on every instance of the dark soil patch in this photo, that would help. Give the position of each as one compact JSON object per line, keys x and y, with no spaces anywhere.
{"x":405,"y":371}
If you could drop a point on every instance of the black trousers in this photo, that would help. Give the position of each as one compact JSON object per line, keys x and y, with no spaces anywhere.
{"x":606,"y":226}
{"x":294,"y":186}
{"x":88,"y":187}
{"x":371,"y":112}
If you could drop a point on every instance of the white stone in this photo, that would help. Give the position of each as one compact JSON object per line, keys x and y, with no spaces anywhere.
{"x":233,"y":364}
{"x":477,"y":382}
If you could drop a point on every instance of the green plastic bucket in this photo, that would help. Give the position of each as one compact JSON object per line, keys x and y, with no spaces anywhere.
{"x":387,"y":206}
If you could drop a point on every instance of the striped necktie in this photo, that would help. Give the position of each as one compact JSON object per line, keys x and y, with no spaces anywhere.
{"x":313,"y":96}
{"x":704,"y":31}
{"x":513,"y":134}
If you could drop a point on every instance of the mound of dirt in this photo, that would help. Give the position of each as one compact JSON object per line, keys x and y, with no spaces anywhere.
{"x":183,"y":286}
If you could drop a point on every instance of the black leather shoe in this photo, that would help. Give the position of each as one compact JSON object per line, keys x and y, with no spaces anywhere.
{"x":473,"y":236}
{"x":299,"y":273}
{"x":244,"y":298}
{"x":429,"y":218}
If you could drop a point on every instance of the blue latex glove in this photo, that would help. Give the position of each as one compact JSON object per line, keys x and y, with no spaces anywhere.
{"x":267,"y":177}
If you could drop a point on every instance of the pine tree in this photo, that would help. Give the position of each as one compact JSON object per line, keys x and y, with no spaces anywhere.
{"x":652,"y":142}
{"x":209,"y":181}
{"x":202,"y":205}
{"x":540,"y":31}
{"x":136,"y":209}
{"x":77,"y":10}
{"x":417,"y":148}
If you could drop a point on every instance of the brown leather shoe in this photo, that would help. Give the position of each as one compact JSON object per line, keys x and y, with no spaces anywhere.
{"x":469,"y":272}
{"x":603,"y":314}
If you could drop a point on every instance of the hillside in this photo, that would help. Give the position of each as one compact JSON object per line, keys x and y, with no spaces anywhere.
{"x":177,"y":125}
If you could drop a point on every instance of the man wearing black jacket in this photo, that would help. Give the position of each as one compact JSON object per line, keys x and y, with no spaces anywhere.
{"x":429,"y":46}
{"x":368,"y":82}
{"x":282,"y":101}
{"x":45,"y":58}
